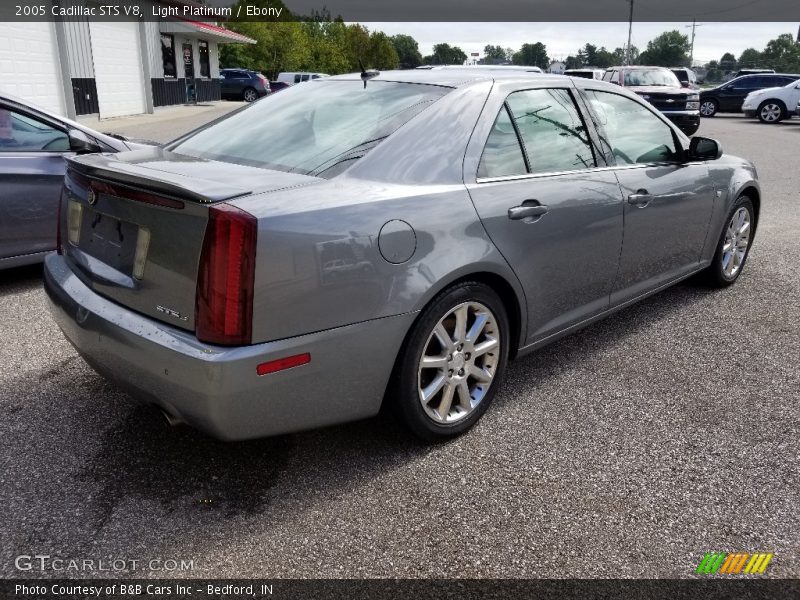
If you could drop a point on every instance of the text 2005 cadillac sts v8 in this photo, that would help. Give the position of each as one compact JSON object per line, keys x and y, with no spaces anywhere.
{"x":295,"y":263}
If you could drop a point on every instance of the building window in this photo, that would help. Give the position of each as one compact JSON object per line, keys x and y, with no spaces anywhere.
{"x":205,"y":65}
{"x":168,"y":55}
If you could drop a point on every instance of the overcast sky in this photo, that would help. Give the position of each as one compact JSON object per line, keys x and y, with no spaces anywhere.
{"x":712,"y":40}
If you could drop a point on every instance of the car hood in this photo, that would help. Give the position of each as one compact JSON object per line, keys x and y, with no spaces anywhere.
{"x":764,"y":91}
{"x":197,"y":179}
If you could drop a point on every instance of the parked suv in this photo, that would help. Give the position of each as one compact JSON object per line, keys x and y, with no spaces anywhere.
{"x":728,"y":97}
{"x":773,"y":105}
{"x":660,"y":87}
{"x":687,"y":77}
{"x":243,"y":84}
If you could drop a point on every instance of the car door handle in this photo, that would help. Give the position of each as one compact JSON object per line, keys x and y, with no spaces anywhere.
{"x":527,"y":209}
{"x":641,"y":198}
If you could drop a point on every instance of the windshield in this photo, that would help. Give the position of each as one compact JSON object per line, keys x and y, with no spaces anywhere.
{"x":317,"y":128}
{"x":654,"y":77}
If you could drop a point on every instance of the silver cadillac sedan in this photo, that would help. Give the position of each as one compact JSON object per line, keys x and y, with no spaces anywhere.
{"x":383,"y":238}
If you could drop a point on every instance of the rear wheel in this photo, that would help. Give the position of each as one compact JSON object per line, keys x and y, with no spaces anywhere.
{"x":771,"y":111}
{"x":733,"y":246}
{"x":250,"y":95}
{"x":452,"y":363}
{"x":708,"y":108}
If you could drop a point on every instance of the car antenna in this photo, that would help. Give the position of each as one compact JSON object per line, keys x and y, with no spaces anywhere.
{"x":367,"y":75}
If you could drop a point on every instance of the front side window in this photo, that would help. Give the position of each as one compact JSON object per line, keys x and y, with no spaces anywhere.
{"x":633,"y":134}
{"x":168,"y":55}
{"x":205,"y":64}
{"x":317,"y":130}
{"x":21,"y":133}
{"x":552,"y":130}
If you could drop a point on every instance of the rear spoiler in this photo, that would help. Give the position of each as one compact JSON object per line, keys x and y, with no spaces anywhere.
{"x":107,"y":167}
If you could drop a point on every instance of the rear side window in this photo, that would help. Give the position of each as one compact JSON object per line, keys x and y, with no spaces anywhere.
{"x":297,"y":78}
{"x":633,"y":134}
{"x":552,"y":130}
{"x":502,"y":155}
{"x":317,"y":130}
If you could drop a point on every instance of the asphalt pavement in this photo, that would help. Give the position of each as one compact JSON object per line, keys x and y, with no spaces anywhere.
{"x":626,"y":450}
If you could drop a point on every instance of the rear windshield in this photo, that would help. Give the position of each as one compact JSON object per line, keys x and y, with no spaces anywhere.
{"x":654,"y":77}
{"x":316,"y":128}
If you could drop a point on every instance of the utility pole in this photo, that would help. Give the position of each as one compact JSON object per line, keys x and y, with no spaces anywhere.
{"x":694,"y":26}
{"x":630,"y":30}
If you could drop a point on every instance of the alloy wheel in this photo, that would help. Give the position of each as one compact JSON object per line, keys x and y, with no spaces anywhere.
{"x":770,"y":113}
{"x":458,"y":363}
{"x":250,"y":95}
{"x":708,"y":108}
{"x":737,"y":242}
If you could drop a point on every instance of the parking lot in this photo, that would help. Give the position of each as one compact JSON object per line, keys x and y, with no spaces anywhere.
{"x":626,"y":450}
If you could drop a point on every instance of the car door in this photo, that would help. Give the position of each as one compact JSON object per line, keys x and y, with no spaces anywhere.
{"x":32,"y":167}
{"x":551,"y":211}
{"x":736,"y":91}
{"x":668,"y":201}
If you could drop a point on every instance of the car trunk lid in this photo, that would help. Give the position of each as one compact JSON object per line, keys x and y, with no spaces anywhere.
{"x":134,"y":223}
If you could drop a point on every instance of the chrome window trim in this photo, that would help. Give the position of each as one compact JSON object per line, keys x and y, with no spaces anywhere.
{"x":574,"y":172}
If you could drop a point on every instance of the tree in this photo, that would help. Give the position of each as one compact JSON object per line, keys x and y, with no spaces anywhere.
{"x":493,"y":55}
{"x":407,"y":50}
{"x":782,"y":54}
{"x":532,"y":55}
{"x":750,"y":58}
{"x":445,"y":54}
{"x":727,"y":62}
{"x":670,"y":49}
{"x":382,"y":54}
{"x":573,"y":62}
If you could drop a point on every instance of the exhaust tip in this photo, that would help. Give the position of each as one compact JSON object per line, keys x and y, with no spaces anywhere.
{"x":171,"y":419}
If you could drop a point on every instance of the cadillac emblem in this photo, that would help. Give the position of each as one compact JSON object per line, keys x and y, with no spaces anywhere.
{"x":92,"y":197}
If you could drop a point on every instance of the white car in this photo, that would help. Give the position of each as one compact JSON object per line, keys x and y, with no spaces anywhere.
{"x":772,"y":105}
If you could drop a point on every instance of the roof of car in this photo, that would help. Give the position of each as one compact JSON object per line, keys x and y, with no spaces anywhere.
{"x":450,"y":76}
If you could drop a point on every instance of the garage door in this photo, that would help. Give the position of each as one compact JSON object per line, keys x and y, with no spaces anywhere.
{"x":117,"y":60}
{"x":29,"y":66}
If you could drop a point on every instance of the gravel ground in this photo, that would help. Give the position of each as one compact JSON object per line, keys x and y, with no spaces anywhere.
{"x":626,"y":450}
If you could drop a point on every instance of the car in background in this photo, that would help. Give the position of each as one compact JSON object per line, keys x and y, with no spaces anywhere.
{"x":729,"y":97}
{"x":34,"y":143}
{"x":299,"y":77}
{"x":243,"y":84}
{"x":531,"y":205}
{"x":741,"y":72}
{"x":585,"y":73}
{"x":773,"y":105}
{"x":660,"y":87}
{"x":277,"y":86}
{"x":686,"y":76}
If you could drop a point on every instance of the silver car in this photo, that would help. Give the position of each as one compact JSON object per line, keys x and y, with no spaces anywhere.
{"x":33,"y":145}
{"x":488,"y":214}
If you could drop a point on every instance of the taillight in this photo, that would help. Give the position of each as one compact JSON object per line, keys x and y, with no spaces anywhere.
{"x":226,"y":277}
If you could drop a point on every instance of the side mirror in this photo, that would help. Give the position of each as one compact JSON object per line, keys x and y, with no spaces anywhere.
{"x":701,"y":148}
{"x":81,"y":143}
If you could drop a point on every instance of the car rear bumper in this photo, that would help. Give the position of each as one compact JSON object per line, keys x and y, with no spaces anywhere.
{"x":217,"y":389}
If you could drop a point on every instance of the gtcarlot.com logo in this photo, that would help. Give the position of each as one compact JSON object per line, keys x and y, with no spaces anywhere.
{"x":734,"y":563}
{"x":46,"y":562}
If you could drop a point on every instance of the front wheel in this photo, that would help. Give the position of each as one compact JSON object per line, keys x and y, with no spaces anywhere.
{"x":452,"y":362}
{"x":771,"y":112}
{"x":708,"y":108}
{"x":733,"y":246}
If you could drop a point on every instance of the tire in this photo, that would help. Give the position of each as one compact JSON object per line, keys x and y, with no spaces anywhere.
{"x":771,"y":112}
{"x":447,"y":396}
{"x":722,"y":273}
{"x":709,"y":108}
{"x":249,"y":95}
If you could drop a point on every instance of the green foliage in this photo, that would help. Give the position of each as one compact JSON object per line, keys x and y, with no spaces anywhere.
{"x":670,"y":49}
{"x":445,"y":54}
{"x":782,"y":54}
{"x":750,"y":58}
{"x":494,"y":55}
{"x":407,"y":50}
{"x":532,"y":55}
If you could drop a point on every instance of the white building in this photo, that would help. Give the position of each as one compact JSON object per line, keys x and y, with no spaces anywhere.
{"x":112,"y":68}
{"x":557,"y":67}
